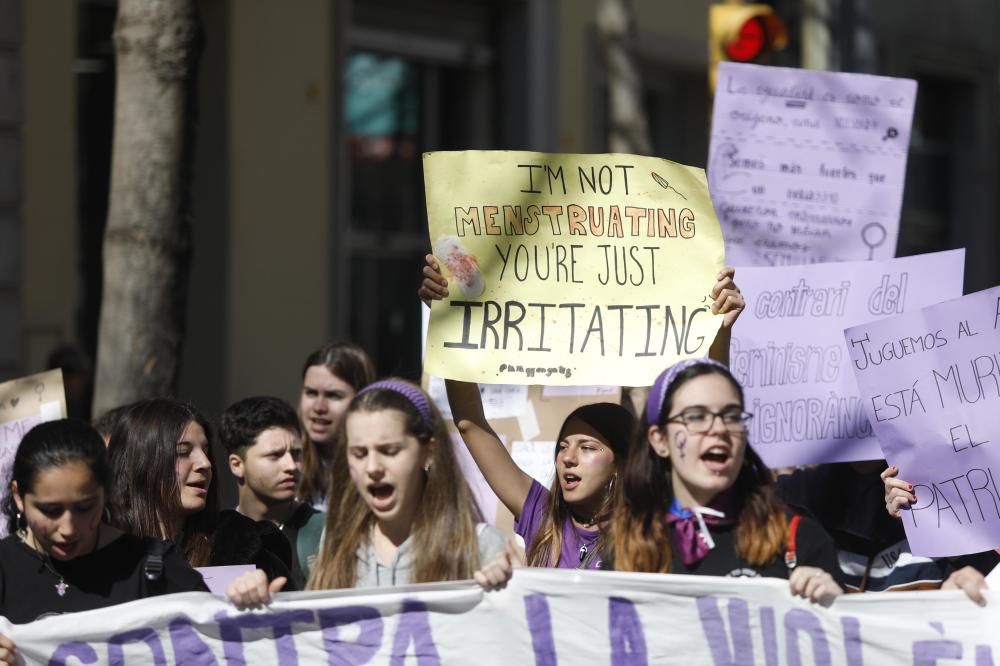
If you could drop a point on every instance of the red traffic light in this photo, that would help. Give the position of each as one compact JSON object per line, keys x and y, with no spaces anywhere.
{"x":754,"y":37}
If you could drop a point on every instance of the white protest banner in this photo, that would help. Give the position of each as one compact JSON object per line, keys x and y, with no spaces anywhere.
{"x":930,"y":383}
{"x":24,"y":403}
{"x":788,"y":349}
{"x":808,"y":166}
{"x":543,"y":617}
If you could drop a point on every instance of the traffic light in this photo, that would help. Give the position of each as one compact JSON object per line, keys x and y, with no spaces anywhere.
{"x":742,"y":33}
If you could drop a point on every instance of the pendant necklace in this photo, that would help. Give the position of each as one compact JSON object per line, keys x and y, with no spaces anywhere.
{"x":61,"y":586}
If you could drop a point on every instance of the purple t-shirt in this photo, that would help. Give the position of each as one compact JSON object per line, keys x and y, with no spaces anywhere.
{"x":577,"y":542}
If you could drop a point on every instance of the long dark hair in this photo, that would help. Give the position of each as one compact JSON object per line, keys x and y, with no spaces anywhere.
{"x":640,"y":536}
{"x":351,"y":364}
{"x":145,"y":500}
{"x":445,"y":545}
{"x":54,"y":444}
{"x":614,"y":423}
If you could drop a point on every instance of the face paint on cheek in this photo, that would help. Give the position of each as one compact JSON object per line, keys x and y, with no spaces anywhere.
{"x":680,"y":441}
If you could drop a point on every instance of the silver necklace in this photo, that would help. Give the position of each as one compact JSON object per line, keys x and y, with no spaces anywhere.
{"x":61,"y":586}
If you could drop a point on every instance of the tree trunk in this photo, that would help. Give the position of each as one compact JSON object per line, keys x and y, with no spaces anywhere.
{"x":628,"y":129}
{"x":147,"y":242}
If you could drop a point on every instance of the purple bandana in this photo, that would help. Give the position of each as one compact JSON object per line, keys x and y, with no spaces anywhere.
{"x":693,"y":537}
{"x":654,"y":403}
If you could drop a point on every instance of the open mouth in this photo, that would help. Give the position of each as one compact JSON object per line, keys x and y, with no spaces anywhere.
{"x":320,"y":423}
{"x":717,"y":458}
{"x":382,"y":495}
{"x":570,"y":481}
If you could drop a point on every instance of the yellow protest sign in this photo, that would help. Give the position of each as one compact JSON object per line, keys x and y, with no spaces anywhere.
{"x":567,"y":268}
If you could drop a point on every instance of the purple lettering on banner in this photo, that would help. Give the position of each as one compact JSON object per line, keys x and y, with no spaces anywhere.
{"x":188,"y":647}
{"x":770,"y":634}
{"x":984,"y":655}
{"x":628,"y":642}
{"x":536,"y":611}
{"x":350,"y":653}
{"x":145,"y":635}
{"x":280,"y":624}
{"x":927,"y":653}
{"x":82,"y":652}
{"x":414,"y":626}
{"x":852,"y":640}
{"x":718,"y":639}
{"x":800,"y":620}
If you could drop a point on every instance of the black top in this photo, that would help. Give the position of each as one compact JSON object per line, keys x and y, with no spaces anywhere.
{"x":238,"y":539}
{"x":849,"y":502}
{"x":813,"y":548}
{"x":112,"y":574}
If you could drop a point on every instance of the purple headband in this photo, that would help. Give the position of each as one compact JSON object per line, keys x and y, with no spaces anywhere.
{"x":657,"y":394}
{"x":414,"y":395}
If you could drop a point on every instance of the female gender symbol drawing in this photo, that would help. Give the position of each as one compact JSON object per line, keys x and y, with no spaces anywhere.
{"x":873,"y":235}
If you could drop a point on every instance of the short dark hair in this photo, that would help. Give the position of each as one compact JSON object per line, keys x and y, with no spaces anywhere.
{"x":244,"y":421}
{"x":55,"y":444}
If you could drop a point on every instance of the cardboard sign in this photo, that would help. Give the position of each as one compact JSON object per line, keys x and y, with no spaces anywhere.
{"x":930,"y":383}
{"x":569,"y":269}
{"x":808,"y":166}
{"x":24,"y":403}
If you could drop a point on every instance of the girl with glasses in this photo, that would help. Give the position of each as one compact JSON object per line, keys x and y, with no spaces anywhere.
{"x":696,"y":499}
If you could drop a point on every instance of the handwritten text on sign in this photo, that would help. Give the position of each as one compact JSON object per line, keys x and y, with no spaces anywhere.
{"x":788,"y":351}
{"x":808,"y":166}
{"x":24,"y":403}
{"x":930,"y":381}
{"x":535,"y":620}
{"x":569,"y":269}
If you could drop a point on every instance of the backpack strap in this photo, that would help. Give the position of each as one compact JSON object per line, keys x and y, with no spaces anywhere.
{"x":308,"y":541}
{"x":152,"y":568}
{"x":791,"y":560}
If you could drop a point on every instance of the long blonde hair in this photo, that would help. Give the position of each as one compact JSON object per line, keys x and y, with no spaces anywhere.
{"x":444,"y":526}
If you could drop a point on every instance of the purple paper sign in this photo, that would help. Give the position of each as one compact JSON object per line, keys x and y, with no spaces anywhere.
{"x":930,"y":381}
{"x":788,"y":350}
{"x":218,"y":578}
{"x":808,"y":166}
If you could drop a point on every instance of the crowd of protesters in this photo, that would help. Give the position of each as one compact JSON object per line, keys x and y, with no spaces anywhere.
{"x":360,"y":487}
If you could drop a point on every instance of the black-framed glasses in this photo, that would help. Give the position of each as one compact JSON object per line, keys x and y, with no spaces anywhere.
{"x":700,"y":419}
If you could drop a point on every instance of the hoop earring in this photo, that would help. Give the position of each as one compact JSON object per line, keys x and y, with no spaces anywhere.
{"x":106,"y":515}
{"x":21,"y":523}
{"x":611,"y":484}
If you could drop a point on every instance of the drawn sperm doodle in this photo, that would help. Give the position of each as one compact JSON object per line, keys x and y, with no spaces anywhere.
{"x":662,"y":182}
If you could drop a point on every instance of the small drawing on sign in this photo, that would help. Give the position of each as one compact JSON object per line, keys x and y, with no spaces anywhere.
{"x":873,"y":235}
{"x":14,"y":401}
{"x":39,"y":389}
{"x":662,"y":182}
{"x":795,"y":103}
{"x":725,"y":179}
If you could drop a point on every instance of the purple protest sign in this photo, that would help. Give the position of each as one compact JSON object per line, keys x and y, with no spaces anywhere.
{"x":788,"y":350}
{"x":808,"y":166}
{"x":930,"y":383}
